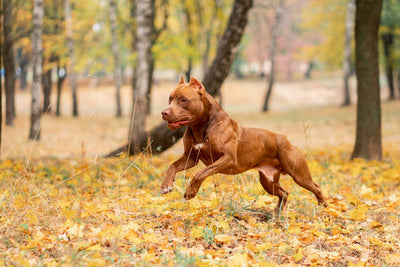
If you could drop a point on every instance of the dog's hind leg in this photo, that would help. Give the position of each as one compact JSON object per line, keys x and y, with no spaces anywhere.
{"x":294,"y":163}
{"x":269,"y":179}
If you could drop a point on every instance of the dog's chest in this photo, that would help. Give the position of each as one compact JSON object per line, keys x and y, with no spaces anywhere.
{"x":204,"y":152}
{"x":198,"y":146}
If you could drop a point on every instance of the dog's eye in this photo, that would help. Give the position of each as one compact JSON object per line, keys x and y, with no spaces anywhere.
{"x":183,"y":100}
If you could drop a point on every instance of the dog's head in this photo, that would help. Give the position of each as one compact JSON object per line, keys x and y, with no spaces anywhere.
{"x":185,"y":104}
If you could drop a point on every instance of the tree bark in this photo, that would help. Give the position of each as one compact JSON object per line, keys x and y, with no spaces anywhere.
{"x":1,"y":92}
{"x":368,"y":143}
{"x":37,"y":60}
{"x":190,"y":38}
{"x":115,"y":51}
{"x":388,"y":42}
{"x":144,"y":20}
{"x":398,"y":80}
{"x":160,"y":138}
{"x":61,"y":75}
{"x":23,"y":65}
{"x":47,"y":83}
{"x":275,"y":34}
{"x":9,"y":62}
{"x":347,"y":51}
{"x":71,"y":52}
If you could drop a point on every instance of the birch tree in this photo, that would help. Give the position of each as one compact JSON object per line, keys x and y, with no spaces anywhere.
{"x":347,"y":51}
{"x":115,"y":51}
{"x":144,"y":21}
{"x":38,"y":11}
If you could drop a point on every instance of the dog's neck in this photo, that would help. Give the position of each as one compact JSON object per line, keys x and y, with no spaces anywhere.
{"x":200,"y":128}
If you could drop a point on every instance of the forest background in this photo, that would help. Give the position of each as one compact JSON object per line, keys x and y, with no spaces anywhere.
{"x":71,"y":82}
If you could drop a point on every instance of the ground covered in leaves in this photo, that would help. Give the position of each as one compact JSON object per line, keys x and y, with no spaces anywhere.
{"x":109,"y":212}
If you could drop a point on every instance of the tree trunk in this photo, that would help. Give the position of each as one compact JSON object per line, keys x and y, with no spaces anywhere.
{"x":47,"y":84}
{"x":37,"y":60}
{"x":23,"y":65}
{"x":144,"y":20}
{"x":226,"y":50}
{"x":71,"y":52}
{"x":9,"y":62}
{"x":190,"y":39}
{"x":115,"y":51}
{"x":61,"y":75}
{"x":347,"y":51}
{"x":275,"y":34}
{"x":161,"y":137}
{"x":398,"y":80}
{"x":368,"y":143}
{"x":388,"y":42}
{"x":150,"y":86}
{"x":1,"y":92}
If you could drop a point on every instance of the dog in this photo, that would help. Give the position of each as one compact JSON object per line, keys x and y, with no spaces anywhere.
{"x":226,"y":147}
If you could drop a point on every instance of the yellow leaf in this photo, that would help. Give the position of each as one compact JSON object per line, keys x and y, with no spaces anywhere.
{"x":299,"y":255}
{"x":152,"y":238}
{"x":75,"y":230}
{"x":132,"y":236}
{"x":95,"y":248}
{"x":359,"y":213}
{"x":238,"y":259}
{"x":196,"y":233}
{"x":97,"y":260}
{"x":265,"y":246}
{"x":375,"y":241}
{"x":222,"y":239}
{"x":375,"y":224}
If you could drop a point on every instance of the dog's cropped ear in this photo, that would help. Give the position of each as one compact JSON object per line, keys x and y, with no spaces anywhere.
{"x":181,"y":80}
{"x":196,"y":85}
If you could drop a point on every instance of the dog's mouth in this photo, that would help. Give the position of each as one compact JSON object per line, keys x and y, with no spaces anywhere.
{"x":176,"y":124}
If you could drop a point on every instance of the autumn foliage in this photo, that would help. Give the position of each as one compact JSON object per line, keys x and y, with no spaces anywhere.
{"x":110,"y":212}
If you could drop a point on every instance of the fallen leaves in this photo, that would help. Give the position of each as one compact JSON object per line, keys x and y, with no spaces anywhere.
{"x":57,"y":212}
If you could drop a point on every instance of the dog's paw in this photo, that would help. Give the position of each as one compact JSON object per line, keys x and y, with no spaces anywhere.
{"x":166,"y":189}
{"x":190,"y":193}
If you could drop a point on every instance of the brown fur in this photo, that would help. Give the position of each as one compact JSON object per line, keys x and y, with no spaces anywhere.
{"x":226,"y":147}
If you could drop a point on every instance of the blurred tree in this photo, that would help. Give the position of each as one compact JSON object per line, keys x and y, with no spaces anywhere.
{"x":37,"y":61}
{"x":1,"y":82}
{"x":325,"y":22}
{"x":368,"y":143}
{"x":189,"y":35}
{"x":347,"y":51}
{"x":46,"y":85}
{"x":160,"y":138}
{"x":279,"y":10}
{"x":144,"y":21}
{"x":71,"y":56}
{"x":115,"y":51}
{"x":23,"y":58}
{"x":61,"y":75}
{"x":9,"y":61}
{"x":390,"y":23}
{"x":208,"y":19}
{"x":54,"y":48}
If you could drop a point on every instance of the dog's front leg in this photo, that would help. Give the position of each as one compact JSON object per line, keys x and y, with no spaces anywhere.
{"x":183,"y":163}
{"x":223,"y":163}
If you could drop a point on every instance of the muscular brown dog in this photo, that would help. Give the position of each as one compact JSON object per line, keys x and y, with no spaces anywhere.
{"x":225,"y":147}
